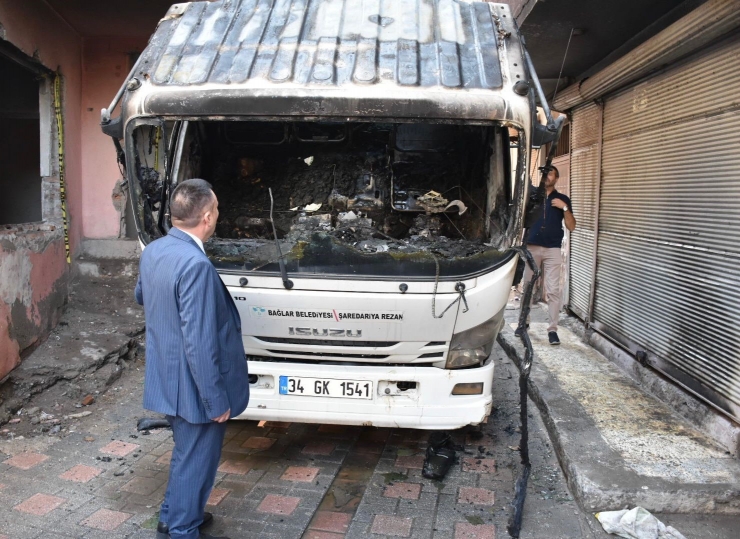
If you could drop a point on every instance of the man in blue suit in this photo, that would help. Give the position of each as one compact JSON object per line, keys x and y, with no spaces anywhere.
{"x":196,"y":369}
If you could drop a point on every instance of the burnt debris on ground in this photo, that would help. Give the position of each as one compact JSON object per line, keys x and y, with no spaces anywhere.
{"x":100,"y":337}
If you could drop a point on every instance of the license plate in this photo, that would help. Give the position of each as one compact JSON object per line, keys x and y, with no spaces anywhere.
{"x":323,"y":387}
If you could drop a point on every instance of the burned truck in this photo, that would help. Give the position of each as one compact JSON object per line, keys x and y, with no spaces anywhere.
{"x":370,"y":161}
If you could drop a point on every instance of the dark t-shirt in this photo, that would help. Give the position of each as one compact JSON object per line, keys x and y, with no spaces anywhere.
{"x":547,"y":231}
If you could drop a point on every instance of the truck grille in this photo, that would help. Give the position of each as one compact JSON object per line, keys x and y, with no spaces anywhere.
{"x":327,"y":354}
{"x":324,"y":342}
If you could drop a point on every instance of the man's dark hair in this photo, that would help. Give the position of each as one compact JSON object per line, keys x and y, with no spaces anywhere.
{"x":189,"y":201}
{"x":557,"y":172}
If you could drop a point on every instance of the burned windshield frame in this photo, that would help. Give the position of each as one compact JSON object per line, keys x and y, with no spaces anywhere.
{"x":479,"y":264}
{"x":147,"y":224}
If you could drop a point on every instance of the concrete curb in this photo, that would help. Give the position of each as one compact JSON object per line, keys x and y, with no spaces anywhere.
{"x":597,"y":475}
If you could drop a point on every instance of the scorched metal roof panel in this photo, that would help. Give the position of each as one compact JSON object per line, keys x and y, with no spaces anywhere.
{"x":422,"y":43}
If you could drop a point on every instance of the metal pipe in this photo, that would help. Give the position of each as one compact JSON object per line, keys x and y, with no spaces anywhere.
{"x":540,"y":92}
{"x":105,"y":113}
{"x":597,"y":195}
{"x":706,"y":23}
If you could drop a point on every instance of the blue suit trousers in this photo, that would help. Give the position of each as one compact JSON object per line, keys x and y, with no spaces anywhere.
{"x":192,"y":473}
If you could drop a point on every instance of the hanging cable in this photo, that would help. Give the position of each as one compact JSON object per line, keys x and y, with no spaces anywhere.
{"x":60,"y":149}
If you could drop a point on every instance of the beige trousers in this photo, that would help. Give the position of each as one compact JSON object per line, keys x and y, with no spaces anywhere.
{"x":549,"y":260}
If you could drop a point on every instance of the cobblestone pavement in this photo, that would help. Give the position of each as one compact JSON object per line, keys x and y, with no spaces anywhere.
{"x":99,"y":477}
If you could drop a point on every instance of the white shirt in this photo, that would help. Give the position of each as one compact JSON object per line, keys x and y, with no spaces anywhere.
{"x":196,"y":238}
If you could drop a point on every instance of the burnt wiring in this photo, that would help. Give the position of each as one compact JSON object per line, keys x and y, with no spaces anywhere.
{"x":459,"y":288}
{"x":520,"y":492}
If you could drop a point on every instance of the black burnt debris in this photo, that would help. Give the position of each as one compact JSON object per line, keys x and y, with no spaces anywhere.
{"x":386,"y":190}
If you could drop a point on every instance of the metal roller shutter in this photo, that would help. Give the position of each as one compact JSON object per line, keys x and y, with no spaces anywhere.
{"x":668,"y":264}
{"x":584,"y":160}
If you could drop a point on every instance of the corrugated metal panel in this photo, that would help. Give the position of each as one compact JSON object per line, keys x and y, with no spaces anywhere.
{"x":445,"y":43}
{"x":583,"y":188}
{"x":684,"y":190}
{"x":707,"y":81}
{"x":585,"y":128}
{"x":706,"y":23}
{"x":677,"y":303}
{"x":669,"y":226}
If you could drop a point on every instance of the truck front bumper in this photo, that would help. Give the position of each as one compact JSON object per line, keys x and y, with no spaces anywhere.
{"x":429,"y":405}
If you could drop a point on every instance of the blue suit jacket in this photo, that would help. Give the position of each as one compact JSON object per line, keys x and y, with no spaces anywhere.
{"x":195,"y":362}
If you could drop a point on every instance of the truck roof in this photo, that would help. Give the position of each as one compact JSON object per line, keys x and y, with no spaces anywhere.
{"x":399,"y":59}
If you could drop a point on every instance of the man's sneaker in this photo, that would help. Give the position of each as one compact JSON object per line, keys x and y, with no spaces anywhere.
{"x":553,"y":336}
{"x":518,"y":331}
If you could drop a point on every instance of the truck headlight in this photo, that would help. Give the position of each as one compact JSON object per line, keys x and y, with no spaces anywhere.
{"x":473,"y":346}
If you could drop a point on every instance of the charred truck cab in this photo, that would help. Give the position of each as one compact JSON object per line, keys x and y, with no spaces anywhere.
{"x":370,"y":161}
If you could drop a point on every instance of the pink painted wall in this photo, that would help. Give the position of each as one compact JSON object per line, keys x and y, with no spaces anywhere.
{"x":33,"y":271}
{"x":105,"y":67}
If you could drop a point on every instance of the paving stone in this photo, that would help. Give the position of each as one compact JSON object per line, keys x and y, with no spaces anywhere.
{"x":319,"y":448}
{"x":277,"y":425}
{"x":258,"y":442}
{"x":105,"y":520}
{"x":471,"y":464}
{"x":448,"y":512}
{"x":161,"y":449}
{"x":26,"y":460}
{"x":279,"y":505}
{"x":334,"y":429}
{"x":313,"y":534}
{"x":408,"y":491}
{"x":418,"y":533}
{"x":280,"y":530}
{"x":81,"y":473}
{"x":142,"y":485}
{"x":112,"y":490}
{"x":367,"y":511}
{"x":414,"y":461}
{"x":303,"y":474}
{"x":393,"y":526}
{"x":464,"y":530}
{"x":331,"y":521}
{"x":39,"y":504}
{"x":238,"y":467}
{"x":119,"y":448}
{"x":411,"y":508}
{"x":369,"y":446}
{"x":477,"y":496}
{"x":217,"y":495}
{"x":165,"y":458}
{"x":140,"y":471}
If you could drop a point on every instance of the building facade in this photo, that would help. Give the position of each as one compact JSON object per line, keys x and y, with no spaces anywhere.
{"x":88,"y":47}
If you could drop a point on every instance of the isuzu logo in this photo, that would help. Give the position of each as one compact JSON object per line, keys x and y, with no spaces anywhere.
{"x":321,"y":332}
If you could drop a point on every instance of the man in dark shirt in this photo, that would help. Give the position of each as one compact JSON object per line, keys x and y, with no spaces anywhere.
{"x":544,"y":240}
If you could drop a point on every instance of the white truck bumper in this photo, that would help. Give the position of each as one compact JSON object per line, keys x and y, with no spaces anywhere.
{"x":430,"y":405}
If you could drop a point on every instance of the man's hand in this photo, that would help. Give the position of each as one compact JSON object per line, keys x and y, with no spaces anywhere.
{"x":557,"y":203}
{"x":223,"y":417}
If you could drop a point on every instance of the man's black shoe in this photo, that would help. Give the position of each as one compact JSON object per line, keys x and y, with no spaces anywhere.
{"x":163,"y":530}
{"x":518,"y":332}
{"x":208,"y":536}
{"x":553,"y":336}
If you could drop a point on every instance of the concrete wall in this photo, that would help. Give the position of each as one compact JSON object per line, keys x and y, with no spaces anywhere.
{"x":105,"y":67}
{"x":33,"y":271}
